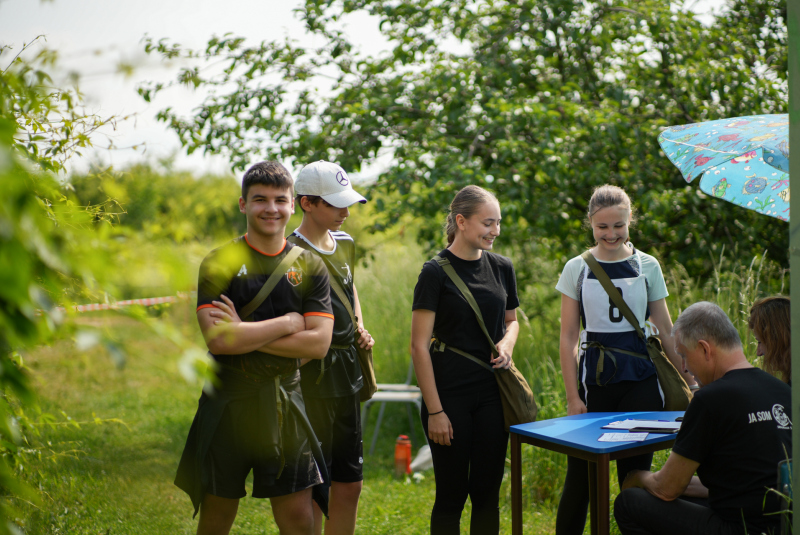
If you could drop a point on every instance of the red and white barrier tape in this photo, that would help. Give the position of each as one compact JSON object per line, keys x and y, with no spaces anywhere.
{"x":147,"y":301}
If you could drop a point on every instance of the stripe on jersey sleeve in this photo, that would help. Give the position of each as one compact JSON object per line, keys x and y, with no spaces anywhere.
{"x":322,"y":314}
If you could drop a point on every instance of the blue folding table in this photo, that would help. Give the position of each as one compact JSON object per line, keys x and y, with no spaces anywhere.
{"x":577,"y":436}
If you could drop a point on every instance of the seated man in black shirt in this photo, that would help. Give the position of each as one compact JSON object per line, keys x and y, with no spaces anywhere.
{"x":736,"y":430}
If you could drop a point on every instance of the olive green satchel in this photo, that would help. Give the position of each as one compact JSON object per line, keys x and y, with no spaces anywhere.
{"x":519,"y":407}
{"x":676,"y":392}
{"x":370,"y":385}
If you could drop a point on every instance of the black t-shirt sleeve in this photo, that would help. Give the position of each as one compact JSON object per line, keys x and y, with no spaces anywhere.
{"x":317,"y":294}
{"x":428,"y":288}
{"x":512,"y":300}
{"x":213,"y":280}
{"x":697,"y":433}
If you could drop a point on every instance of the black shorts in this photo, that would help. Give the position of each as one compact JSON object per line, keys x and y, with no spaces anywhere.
{"x":337,"y":424}
{"x":233,"y":454}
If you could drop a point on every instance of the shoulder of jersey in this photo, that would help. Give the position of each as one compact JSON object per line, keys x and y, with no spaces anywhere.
{"x":296,"y":240}
{"x":236,"y":242}
{"x":341,"y":235}
{"x":306,"y":253}
{"x":311,"y":258}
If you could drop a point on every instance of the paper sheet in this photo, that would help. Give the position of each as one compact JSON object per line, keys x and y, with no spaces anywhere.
{"x":650,"y":424}
{"x":622,"y":437}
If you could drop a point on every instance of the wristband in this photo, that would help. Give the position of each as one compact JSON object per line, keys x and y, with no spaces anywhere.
{"x":432,"y":413}
{"x":694,"y":387}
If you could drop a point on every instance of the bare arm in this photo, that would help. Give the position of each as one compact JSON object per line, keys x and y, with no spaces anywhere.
{"x":659,"y":315}
{"x":364,"y":340}
{"x":696,"y":489}
{"x":505,"y":347}
{"x":236,"y":338}
{"x":672,"y":481}
{"x":312,"y":343}
{"x":440,"y":430}
{"x":568,"y":353}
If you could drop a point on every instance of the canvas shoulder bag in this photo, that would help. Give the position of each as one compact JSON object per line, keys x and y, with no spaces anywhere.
{"x":676,"y":392}
{"x":519,"y":407}
{"x":370,"y":385}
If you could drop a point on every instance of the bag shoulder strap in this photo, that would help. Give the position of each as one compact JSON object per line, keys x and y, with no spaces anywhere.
{"x":611,"y":290}
{"x":336,"y":287}
{"x":272,"y":281}
{"x":461,"y":285}
{"x":441,"y":346}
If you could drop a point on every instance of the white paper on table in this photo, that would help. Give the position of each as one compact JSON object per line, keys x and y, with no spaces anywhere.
{"x":650,"y":424}
{"x":622,"y":437}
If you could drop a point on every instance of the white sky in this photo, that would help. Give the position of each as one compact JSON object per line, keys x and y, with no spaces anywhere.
{"x":93,"y":36}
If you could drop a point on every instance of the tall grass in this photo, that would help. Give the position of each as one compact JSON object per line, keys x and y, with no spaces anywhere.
{"x":735,"y":285}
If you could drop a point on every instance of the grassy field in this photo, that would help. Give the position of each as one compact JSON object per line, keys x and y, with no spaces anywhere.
{"x":109,"y":439}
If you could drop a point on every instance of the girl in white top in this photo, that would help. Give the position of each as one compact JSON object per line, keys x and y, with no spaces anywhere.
{"x":630,"y":383}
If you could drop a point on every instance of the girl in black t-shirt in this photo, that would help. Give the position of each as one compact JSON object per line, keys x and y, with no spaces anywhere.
{"x":462,"y":414}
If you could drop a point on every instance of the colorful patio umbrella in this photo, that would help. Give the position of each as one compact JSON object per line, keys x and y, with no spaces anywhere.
{"x":744,"y":160}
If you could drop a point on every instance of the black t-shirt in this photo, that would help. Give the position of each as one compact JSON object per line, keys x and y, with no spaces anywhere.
{"x":238,"y":270}
{"x":492,"y":282}
{"x":738,"y":428}
{"x":342,"y":372}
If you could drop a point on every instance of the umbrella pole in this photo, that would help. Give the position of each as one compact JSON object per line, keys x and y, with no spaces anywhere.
{"x":794,"y":232}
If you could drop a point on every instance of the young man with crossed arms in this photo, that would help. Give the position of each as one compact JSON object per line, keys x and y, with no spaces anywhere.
{"x":255,"y":419}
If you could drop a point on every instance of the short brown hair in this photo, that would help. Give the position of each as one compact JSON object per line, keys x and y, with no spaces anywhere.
{"x":771,"y":322}
{"x":313,"y":199}
{"x":268,"y":173}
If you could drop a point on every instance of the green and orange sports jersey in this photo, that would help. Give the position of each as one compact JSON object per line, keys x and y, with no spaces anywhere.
{"x":239,"y":270}
{"x":342,"y":372}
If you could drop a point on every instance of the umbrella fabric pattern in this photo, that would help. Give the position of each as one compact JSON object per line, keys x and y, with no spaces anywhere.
{"x":743,"y":160}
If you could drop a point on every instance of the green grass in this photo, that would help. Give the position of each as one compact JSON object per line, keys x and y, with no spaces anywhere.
{"x":117,"y":478}
{"x":113,"y":477}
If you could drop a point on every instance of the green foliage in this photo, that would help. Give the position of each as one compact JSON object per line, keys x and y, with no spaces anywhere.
{"x":46,"y":123}
{"x":47,"y":253}
{"x":168,"y":205}
{"x":53,"y":253}
{"x":539,"y":100}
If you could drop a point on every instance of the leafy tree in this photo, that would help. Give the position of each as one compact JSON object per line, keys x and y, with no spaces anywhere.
{"x":47,"y":123}
{"x":539,"y":100}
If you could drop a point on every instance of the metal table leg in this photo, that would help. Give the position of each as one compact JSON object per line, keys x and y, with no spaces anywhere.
{"x":603,"y":495}
{"x":516,"y":485}
{"x":593,"y":496}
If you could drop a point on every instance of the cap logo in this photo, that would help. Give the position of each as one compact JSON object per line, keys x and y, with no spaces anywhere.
{"x":341,"y":178}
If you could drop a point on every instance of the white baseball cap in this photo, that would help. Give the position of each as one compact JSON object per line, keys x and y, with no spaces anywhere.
{"x":329,"y":181}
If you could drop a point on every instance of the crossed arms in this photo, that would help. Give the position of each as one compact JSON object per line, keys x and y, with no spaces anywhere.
{"x":290,"y":336}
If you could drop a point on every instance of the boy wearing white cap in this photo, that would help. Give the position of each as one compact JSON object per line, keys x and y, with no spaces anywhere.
{"x":330,"y":386}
